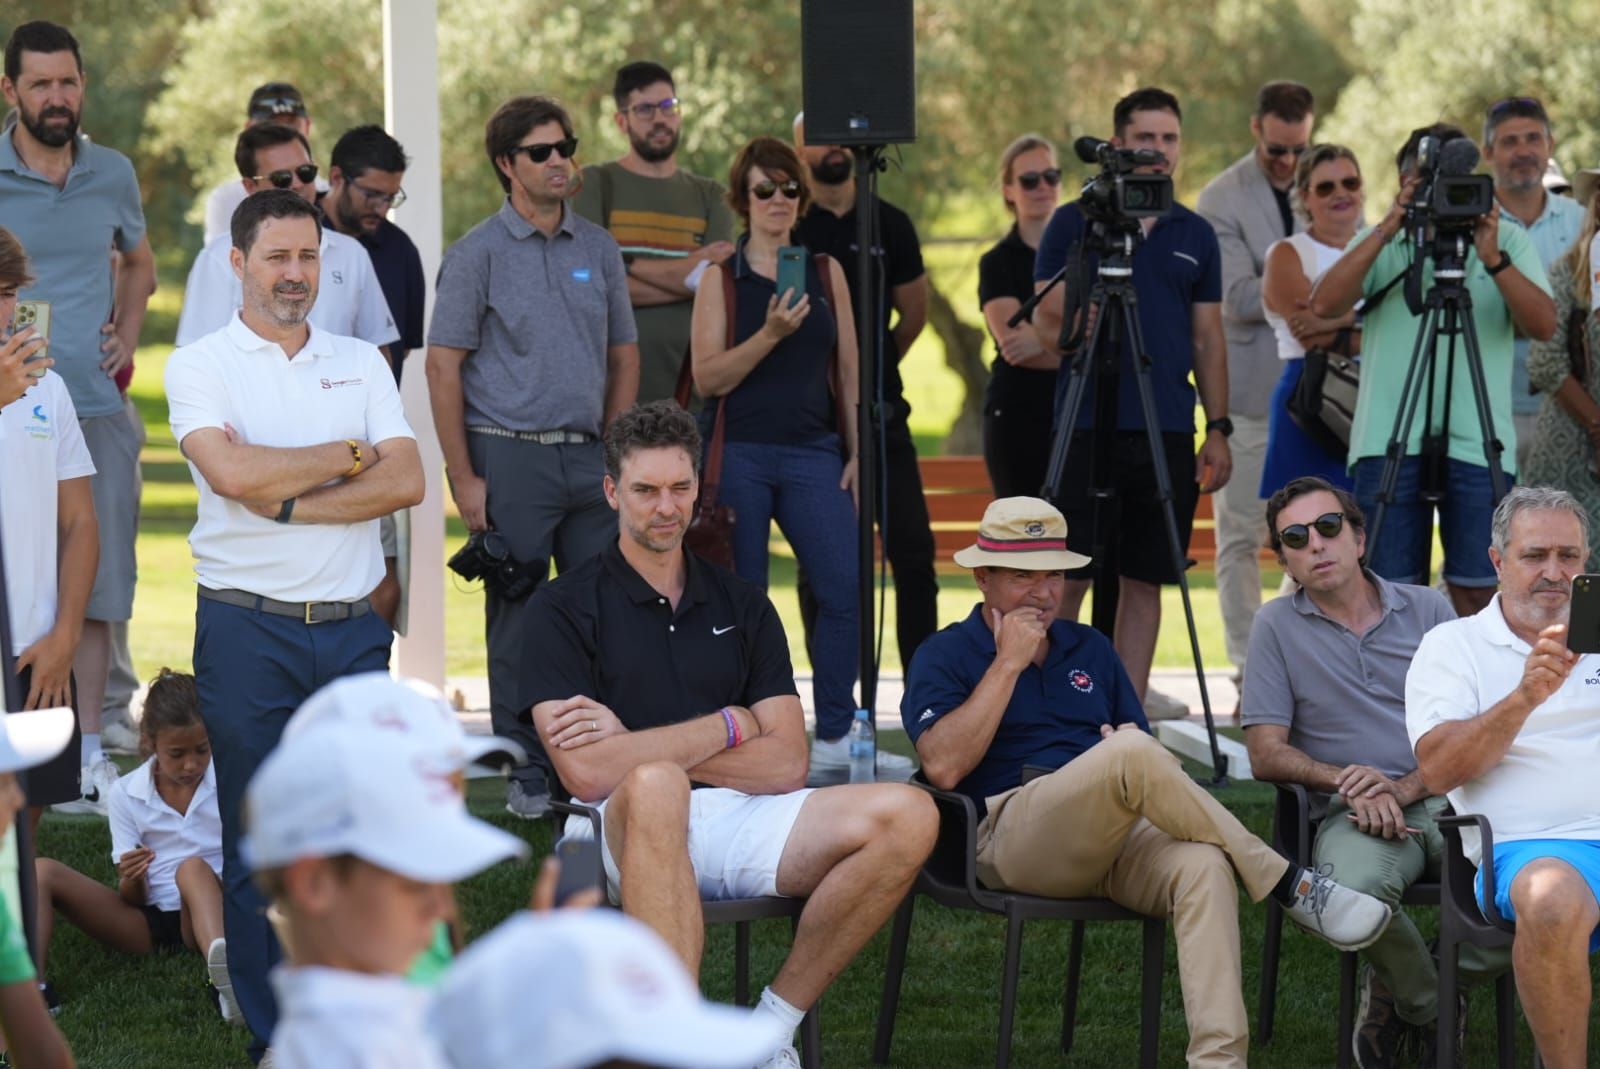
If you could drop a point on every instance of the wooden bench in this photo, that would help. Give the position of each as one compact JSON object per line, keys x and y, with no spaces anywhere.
{"x":957,"y":491}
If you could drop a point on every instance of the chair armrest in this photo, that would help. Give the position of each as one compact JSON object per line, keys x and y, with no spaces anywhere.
{"x":1291,"y":822}
{"x":957,"y":846}
{"x":1451,"y":824}
{"x":1033,"y":772}
{"x":578,"y":809}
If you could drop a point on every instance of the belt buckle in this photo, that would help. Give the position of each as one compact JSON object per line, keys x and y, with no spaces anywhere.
{"x":310,"y":612}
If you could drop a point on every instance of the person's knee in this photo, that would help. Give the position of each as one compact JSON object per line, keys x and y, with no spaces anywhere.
{"x":1204,"y":874}
{"x":46,"y":871}
{"x":1550,"y":897}
{"x":194,"y":868}
{"x":656,"y":788}
{"x":1138,"y":751}
{"x":900,"y":819}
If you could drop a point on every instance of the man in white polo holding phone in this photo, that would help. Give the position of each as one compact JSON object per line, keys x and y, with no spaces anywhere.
{"x":1506,"y":722}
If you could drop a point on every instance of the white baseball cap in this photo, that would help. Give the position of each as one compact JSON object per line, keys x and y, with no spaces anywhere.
{"x":378,"y":700}
{"x":34,"y":737}
{"x":617,"y":992}
{"x":342,"y":787}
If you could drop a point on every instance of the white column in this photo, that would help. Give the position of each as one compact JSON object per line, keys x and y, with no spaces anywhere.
{"x":411,"y":113}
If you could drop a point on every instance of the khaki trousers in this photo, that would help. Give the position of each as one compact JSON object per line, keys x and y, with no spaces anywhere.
{"x":1124,"y":821}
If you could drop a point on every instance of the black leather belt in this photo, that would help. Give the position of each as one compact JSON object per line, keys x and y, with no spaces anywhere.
{"x":310,"y":612}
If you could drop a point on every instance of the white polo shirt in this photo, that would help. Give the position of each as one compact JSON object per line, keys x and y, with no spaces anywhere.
{"x":349,"y":299}
{"x":1544,"y":787}
{"x":223,"y":200}
{"x":40,"y":446}
{"x":334,"y":1019}
{"x":139,"y":816}
{"x":334,"y":388}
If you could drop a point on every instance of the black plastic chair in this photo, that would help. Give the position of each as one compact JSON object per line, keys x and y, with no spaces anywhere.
{"x":950,"y":878}
{"x":739,"y":912}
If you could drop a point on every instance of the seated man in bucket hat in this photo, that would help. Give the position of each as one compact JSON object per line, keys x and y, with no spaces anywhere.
{"x":1012,"y":685}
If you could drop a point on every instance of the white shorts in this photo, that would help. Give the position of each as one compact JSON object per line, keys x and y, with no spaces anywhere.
{"x":736,"y":841}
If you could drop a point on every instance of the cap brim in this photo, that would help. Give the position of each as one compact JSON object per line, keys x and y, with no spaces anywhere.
{"x":493,"y":751}
{"x":1043,"y":560}
{"x":1583,"y":186}
{"x":705,"y":1036}
{"x":34,"y":737}
{"x":444,"y":850}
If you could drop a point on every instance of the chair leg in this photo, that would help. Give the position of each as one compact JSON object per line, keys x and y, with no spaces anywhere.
{"x":1448,"y":981}
{"x":1152,"y":969}
{"x":741,"y":963}
{"x":1270,"y":947}
{"x":1347,"y":1007}
{"x":1012,"y":966}
{"x":1505,"y":1016}
{"x":1069,"y":1004}
{"x":894,"y":973}
{"x":811,"y":1038}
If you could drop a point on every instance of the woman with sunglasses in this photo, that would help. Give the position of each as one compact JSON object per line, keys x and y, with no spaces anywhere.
{"x":1566,"y":440}
{"x":1019,"y":403}
{"x":780,"y":390}
{"x":1327,"y":193}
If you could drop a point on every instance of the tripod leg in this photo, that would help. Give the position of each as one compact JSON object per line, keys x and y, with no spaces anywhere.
{"x":1394,"y":452}
{"x":1078,"y":373}
{"x":1493,"y":448}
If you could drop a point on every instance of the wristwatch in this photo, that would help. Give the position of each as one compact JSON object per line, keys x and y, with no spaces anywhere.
{"x":1505,"y":262}
{"x":1223,"y":424}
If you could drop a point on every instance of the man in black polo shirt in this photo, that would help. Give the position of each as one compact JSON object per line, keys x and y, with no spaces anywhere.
{"x":661,"y":688}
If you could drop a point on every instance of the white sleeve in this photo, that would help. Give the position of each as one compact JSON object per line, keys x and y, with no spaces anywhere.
{"x":1441,"y":685}
{"x":386,"y":414}
{"x":72,"y":455}
{"x":373,"y":321}
{"x":125,"y":833}
{"x":195,"y":394}
{"x":220,"y":206}
{"x":211,"y":295}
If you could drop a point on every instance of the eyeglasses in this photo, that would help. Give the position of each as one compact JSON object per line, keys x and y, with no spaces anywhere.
{"x":306,"y":173}
{"x":1030,"y":180}
{"x":1296,"y":535}
{"x":646,"y":110}
{"x":764,"y":189}
{"x":539,"y":153}
{"x":373,"y":197}
{"x":1286,"y":150}
{"x":1349,"y":183}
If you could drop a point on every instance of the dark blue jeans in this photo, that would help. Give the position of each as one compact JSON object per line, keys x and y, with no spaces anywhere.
{"x":252,"y":670}
{"x":798,"y":485}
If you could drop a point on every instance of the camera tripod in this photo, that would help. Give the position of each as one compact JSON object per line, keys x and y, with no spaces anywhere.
{"x":1446,"y":310}
{"x":1113,"y":306}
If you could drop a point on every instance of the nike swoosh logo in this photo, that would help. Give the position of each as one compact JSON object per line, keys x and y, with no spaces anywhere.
{"x":723,"y":630}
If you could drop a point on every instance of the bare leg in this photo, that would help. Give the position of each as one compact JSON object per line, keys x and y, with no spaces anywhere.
{"x":1138,"y":621}
{"x":1072,"y":599}
{"x":855,"y":851}
{"x":647,"y":831}
{"x":1468,"y":600}
{"x":201,"y":892}
{"x":90,"y":905}
{"x":1555,"y":914}
{"x":91,"y":667}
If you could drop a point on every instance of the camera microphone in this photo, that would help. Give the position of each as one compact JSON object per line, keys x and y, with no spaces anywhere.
{"x":1458,"y":157}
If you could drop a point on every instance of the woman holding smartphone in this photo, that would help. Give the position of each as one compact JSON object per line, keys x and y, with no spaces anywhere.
{"x":780,"y":370}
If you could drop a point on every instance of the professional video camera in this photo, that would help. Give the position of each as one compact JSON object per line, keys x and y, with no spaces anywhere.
{"x":1449,"y":196}
{"x":487,"y":556}
{"x":1116,"y":197}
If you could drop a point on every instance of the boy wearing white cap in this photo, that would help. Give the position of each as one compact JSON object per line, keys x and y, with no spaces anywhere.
{"x":356,"y":830}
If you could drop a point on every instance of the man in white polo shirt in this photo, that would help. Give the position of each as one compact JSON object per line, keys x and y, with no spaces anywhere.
{"x":275,"y":417}
{"x":1506,"y":721}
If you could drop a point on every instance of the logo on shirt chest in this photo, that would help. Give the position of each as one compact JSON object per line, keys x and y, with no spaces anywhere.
{"x":1081,"y":681}
{"x":338,"y":277}
{"x":334,"y":384}
{"x":580,"y":274}
{"x":1593,"y":680}
{"x":39,"y":426}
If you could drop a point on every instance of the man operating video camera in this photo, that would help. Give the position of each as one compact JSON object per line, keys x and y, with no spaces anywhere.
{"x":1443,"y":463}
{"x":1177,"y":277}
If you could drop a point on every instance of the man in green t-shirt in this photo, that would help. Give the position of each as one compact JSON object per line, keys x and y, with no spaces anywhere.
{"x":669,"y":223}
{"x":1509,"y":294}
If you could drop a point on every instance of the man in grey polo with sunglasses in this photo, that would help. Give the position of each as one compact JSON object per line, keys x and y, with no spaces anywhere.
{"x":531,"y":353}
{"x":1324,"y":706}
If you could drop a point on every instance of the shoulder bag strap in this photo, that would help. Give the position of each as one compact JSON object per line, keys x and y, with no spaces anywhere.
{"x":712,"y":480}
{"x":824,"y":264}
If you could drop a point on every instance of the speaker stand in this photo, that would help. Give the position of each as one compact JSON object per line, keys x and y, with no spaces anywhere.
{"x":869,"y":414}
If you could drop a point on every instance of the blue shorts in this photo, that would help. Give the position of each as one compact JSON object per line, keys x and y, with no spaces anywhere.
{"x":1509,"y":859}
{"x":1400,"y":553}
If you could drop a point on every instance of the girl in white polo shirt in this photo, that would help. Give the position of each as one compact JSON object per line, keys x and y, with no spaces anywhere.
{"x":166,"y":841}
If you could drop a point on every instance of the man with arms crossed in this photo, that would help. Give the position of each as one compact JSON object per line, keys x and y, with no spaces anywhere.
{"x":1506,"y":722}
{"x":297,"y":443}
{"x":662,"y":689}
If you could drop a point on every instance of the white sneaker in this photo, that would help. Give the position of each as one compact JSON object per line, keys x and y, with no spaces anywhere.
{"x":217,"y":970}
{"x":119,"y":737}
{"x":834,"y":756}
{"x":1350,"y":920}
{"x":97,"y":778}
{"x":1159,"y":706}
{"x":785,"y":1057}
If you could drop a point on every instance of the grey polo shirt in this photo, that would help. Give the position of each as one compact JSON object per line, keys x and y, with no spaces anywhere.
{"x":1342,"y":696}
{"x":68,"y":234}
{"x":537,"y":314}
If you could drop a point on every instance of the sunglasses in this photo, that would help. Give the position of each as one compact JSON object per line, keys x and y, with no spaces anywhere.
{"x":1349,"y":183}
{"x":647,"y":111}
{"x":373,"y":197}
{"x":1276,"y":151}
{"x":1030,"y":180}
{"x":1296,"y":535}
{"x":539,"y":153}
{"x":306,"y":173}
{"x":764,"y":189}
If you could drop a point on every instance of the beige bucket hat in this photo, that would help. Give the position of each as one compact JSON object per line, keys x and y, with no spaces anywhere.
{"x":1026,"y":533}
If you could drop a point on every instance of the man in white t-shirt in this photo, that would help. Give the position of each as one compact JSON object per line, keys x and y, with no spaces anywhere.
{"x":1505,"y":719}
{"x":275,"y":417}
{"x":349,"y":300}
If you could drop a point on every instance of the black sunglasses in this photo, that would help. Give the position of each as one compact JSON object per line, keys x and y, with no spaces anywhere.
{"x":306,"y":172}
{"x":1296,"y":535}
{"x":539,"y":153}
{"x":1350,"y":182}
{"x":1286,"y":150}
{"x":764,"y":189}
{"x":1030,"y":180}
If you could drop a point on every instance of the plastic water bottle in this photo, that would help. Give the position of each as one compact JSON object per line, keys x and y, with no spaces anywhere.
{"x":863,"y":749}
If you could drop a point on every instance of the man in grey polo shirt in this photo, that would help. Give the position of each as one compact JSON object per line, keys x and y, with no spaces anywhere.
{"x":531,"y":352}
{"x":1323,"y":705}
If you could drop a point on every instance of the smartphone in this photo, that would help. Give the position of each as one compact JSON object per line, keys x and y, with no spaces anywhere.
{"x":581,"y":869}
{"x":35,"y":314}
{"x":792,"y":273}
{"x":1583,"y":624}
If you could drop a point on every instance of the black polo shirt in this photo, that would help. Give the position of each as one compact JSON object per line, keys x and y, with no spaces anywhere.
{"x":601,"y":631}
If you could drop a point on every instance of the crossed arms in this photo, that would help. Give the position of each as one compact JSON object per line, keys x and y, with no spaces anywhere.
{"x":263,"y":477}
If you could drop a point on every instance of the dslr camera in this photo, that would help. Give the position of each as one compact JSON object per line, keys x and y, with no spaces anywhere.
{"x":1116,"y":197}
{"x":487,"y":556}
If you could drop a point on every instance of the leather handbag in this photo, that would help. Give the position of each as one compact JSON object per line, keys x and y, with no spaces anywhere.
{"x":1323,"y":403}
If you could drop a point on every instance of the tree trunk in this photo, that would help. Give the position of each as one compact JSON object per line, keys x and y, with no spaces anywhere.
{"x":963,"y":352}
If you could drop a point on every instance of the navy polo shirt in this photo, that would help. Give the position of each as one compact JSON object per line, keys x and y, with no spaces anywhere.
{"x":1176,"y":267}
{"x":1055,"y":711}
{"x":398,"y":265}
